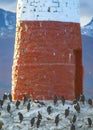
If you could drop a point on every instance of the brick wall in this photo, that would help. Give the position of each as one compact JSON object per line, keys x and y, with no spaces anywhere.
{"x":45,"y":60}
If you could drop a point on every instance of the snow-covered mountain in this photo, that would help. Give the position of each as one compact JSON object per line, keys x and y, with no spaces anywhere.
{"x":87,"y":30}
{"x":7,"y":23}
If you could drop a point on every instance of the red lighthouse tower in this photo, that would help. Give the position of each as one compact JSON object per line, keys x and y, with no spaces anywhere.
{"x":48,"y":50}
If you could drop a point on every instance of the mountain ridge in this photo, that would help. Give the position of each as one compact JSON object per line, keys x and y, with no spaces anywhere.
{"x":88,"y":29}
{"x":7,"y":23}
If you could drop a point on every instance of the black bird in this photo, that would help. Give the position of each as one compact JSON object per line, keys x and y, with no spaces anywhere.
{"x":1,"y":103}
{"x":10,"y":97}
{"x":42,"y":103}
{"x":38,"y":123}
{"x":39,"y":102}
{"x":55,"y":99}
{"x":89,"y":122}
{"x":4,"y":96}
{"x":78,"y":97}
{"x":57,"y":120}
{"x":8,"y":108}
{"x":20,"y":116}
{"x":66,"y":112}
{"x":1,"y":124}
{"x":75,"y":102}
{"x":25,"y":99}
{"x":32,"y":121}
{"x":28,"y":106}
{"x":39,"y":116}
{"x":49,"y":110}
{"x":48,"y":118}
{"x":17,"y":104}
{"x":82,"y":98}
{"x":63,"y":100}
{"x":90,"y":102}
{"x":72,"y":127}
{"x":74,"y":119}
{"x":77,"y":107}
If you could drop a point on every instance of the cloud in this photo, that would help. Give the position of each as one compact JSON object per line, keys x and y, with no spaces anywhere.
{"x":8,"y":5}
{"x":86,"y":8}
{"x":7,"y":1}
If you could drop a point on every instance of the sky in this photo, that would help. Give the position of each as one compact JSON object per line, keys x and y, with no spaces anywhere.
{"x":86,"y":7}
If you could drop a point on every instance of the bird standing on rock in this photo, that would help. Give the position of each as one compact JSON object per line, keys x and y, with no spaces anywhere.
{"x":49,"y":110}
{"x":89,"y":122}
{"x":82,"y":98}
{"x":38,"y":123}
{"x":1,"y":124}
{"x":66,"y":112}
{"x":25,"y":99}
{"x":63,"y":100}
{"x":90,"y":102}
{"x":8,"y":108}
{"x":1,"y":103}
{"x":74,"y":119}
{"x":20,"y":116}
{"x":10,"y":97}
{"x":77,"y":107}
{"x":32,"y":121}
{"x":39,"y":116}
{"x":57,"y":120}
{"x":28,"y":106}
{"x":55,"y":99}
{"x":4,"y":96}
{"x":17,"y":104}
{"x":72,"y":127}
{"x":75,"y":101}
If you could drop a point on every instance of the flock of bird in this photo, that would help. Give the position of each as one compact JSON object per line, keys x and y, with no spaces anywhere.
{"x":38,"y":118}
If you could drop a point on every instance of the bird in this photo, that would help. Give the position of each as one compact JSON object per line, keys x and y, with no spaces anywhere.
{"x":8,"y":108}
{"x":28,"y":106}
{"x":63,"y":100}
{"x":4,"y":96}
{"x":74,"y":119}
{"x":48,"y":118}
{"x":77,"y":107}
{"x":17,"y":104}
{"x":10,"y":97}
{"x":55,"y":99}
{"x":42,"y":103}
{"x":32,"y":121}
{"x":1,"y":103}
{"x":78,"y":97}
{"x":89,"y":122}
{"x":72,"y":127}
{"x":90,"y":102}
{"x":75,"y":101}
{"x":38,"y":123}
{"x":66,"y":112}
{"x":1,"y":124}
{"x":49,"y":110}
{"x":39,"y":102}
{"x":82,"y":98}
{"x":25,"y":99}
{"x":57,"y":120}
{"x":20,"y":116}
{"x":39,"y":116}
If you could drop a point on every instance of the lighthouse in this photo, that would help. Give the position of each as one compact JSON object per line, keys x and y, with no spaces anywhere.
{"x":48,"y":50}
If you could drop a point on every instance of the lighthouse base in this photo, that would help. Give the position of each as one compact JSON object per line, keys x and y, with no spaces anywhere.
{"x":47,"y":60}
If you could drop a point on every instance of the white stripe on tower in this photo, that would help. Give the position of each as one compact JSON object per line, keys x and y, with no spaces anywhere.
{"x":48,"y":10}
